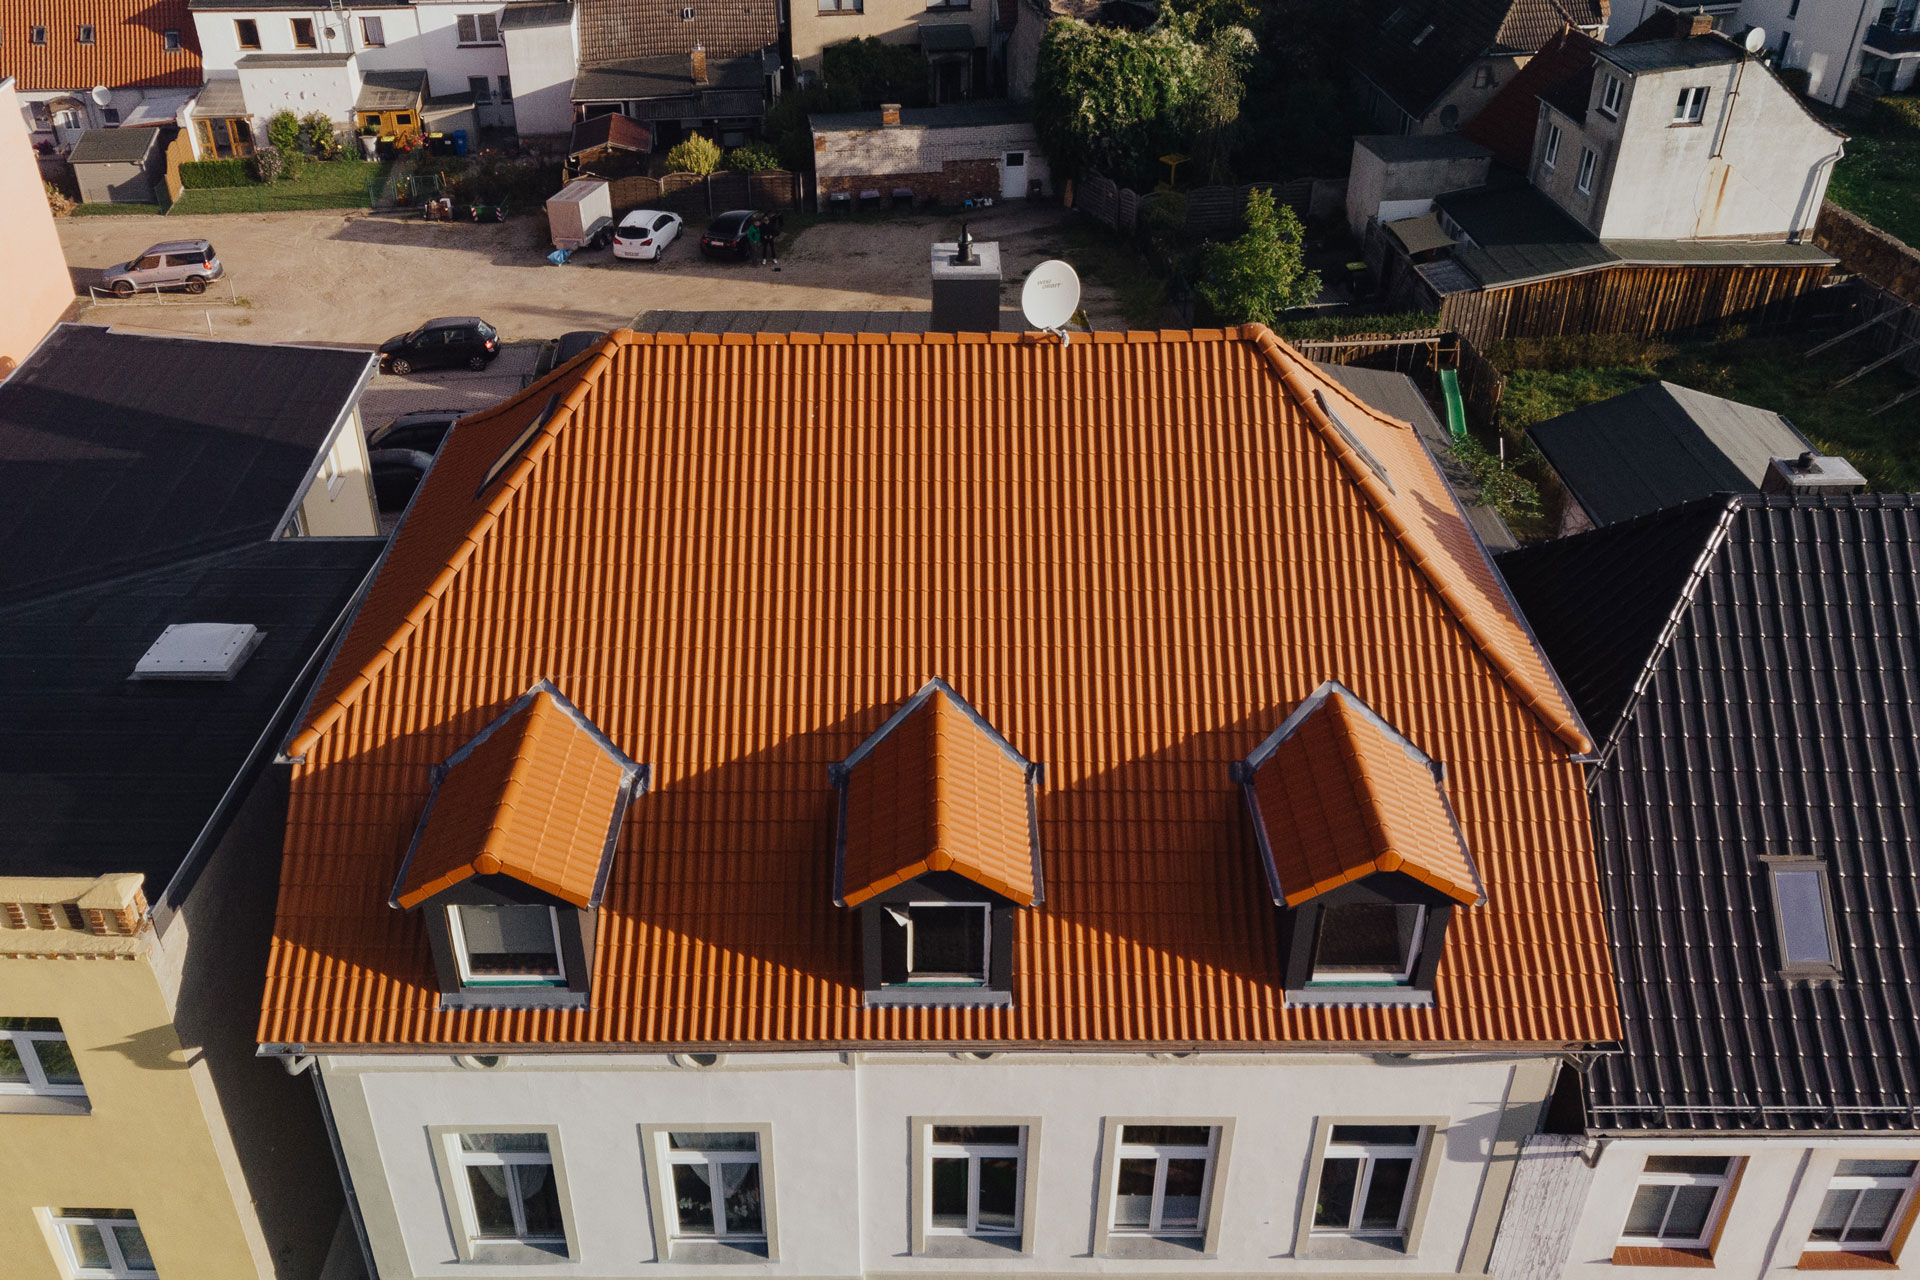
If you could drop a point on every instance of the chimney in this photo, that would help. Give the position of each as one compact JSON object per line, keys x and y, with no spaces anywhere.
{"x":966,"y":286}
{"x":1812,"y":473}
{"x":890,"y":115}
{"x":1699,"y":24}
{"x":699,"y":59}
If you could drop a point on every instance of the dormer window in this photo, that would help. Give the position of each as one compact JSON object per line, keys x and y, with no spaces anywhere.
{"x":512,"y":853}
{"x":1362,"y":852}
{"x":938,"y":844}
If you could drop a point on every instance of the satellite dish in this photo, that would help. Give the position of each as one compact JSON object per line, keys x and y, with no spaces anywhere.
{"x":102,"y":96}
{"x":1051,"y":296}
{"x":1756,"y":40}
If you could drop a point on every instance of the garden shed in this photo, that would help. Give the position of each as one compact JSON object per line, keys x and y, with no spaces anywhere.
{"x":121,"y":166}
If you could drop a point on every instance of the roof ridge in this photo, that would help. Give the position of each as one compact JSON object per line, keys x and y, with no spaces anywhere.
{"x":511,"y":482}
{"x":516,"y":780}
{"x":1562,"y":721}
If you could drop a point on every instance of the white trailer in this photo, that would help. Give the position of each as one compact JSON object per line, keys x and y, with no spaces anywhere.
{"x":581,"y":215}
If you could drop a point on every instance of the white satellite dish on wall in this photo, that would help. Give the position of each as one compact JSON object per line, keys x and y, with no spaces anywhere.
{"x":1756,"y":40}
{"x":101,"y":95}
{"x":1050,"y":297}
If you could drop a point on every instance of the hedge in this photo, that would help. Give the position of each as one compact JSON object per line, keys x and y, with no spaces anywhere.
{"x":1330,"y":328}
{"x":1897,"y":112}
{"x":215,"y":173}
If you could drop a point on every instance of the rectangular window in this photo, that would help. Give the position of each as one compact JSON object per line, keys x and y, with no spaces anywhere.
{"x":1864,"y":1204}
{"x":103,"y":1244}
{"x":84,"y":35}
{"x":247,"y":32}
{"x":373,"y":32}
{"x":1611,"y":89}
{"x":714,"y":1186}
{"x":1165,"y":1179}
{"x":1678,"y":1201}
{"x":942,"y":944}
{"x":976,"y":1179}
{"x":1691,"y":108}
{"x":1552,"y":154}
{"x":36,"y":35}
{"x":1589,"y":161}
{"x":842,"y":6}
{"x":1424,"y":33}
{"x":1483,"y":77}
{"x":110,"y":114}
{"x":171,"y":37}
{"x":1366,"y":1180}
{"x":303,"y":33}
{"x":1803,"y":922}
{"x":505,"y":1184}
{"x":403,"y":119}
{"x":478,"y":28}
{"x":506,"y":91}
{"x":35,"y":1058}
{"x":482,"y":90}
{"x":516,"y":946}
{"x":1368,"y":943}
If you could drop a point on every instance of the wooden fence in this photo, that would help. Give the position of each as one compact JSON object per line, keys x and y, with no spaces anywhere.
{"x":1211,"y":211}
{"x":179,"y":152}
{"x":1420,"y":354}
{"x":692,"y":196}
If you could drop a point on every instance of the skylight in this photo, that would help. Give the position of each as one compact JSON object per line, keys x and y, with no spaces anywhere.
{"x":1353,"y":441}
{"x":199,"y":651}
{"x":1802,"y":917}
{"x":521,"y":441}
{"x":1424,"y":33}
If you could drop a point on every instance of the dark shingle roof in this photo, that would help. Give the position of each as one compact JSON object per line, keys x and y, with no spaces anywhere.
{"x":953,"y":115}
{"x":554,"y":13}
{"x":121,"y":452}
{"x":1561,"y":73}
{"x":670,"y":76}
{"x":115,"y":146}
{"x":1661,"y":445}
{"x":612,"y":30}
{"x":1462,"y":32}
{"x":1781,"y":716}
{"x":1673,"y":55}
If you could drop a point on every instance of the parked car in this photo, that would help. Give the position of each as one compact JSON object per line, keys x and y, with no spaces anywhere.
{"x":645,"y":234}
{"x":555,"y":352}
{"x":443,"y":343}
{"x":396,"y":474}
{"x":424,"y":430}
{"x":185,"y":264}
{"x":726,"y":235}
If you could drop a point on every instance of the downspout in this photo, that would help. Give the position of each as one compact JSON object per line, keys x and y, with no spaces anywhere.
{"x":346,"y":1176}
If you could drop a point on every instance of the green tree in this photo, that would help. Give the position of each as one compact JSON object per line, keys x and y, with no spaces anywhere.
{"x":755,"y":157}
{"x":874,"y":71}
{"x":283,"y":132}
{"x":695,"y":155}
{"x":1261,"y":274}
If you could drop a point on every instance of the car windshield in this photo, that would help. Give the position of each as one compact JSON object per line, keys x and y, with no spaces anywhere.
{"x":729,"y":223}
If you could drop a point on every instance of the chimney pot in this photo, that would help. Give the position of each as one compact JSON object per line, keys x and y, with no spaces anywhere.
{"x":890,"y":115}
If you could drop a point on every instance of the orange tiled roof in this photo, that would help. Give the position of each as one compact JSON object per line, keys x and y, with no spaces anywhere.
{"x":935,"y":790}
{"x":1338,"y":796}
{"x":129,"y":48}
{"x":536,"y":796}
{"x":739,"y":554}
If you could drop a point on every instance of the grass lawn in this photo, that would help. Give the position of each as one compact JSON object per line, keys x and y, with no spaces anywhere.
{"x":337,"y":184}
{"x":113,"y":210}
{"x":1879,"y":179}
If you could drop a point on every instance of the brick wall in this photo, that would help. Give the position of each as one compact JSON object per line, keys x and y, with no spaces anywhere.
{"x":1866,"y":250}
{"x":954,"y":181}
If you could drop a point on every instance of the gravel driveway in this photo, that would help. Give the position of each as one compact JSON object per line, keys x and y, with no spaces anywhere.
{"x":361,"y":278}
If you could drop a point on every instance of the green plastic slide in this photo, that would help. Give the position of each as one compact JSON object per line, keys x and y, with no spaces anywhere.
{"x":1456,"y":413}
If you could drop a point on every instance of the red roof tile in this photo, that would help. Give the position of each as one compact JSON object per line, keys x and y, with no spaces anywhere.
{"x":937,"y":791}
{"x":739,"y":554}
{"x":128,"y":51}
{"x":1340,"y":796}
{"x":1561,"y":72}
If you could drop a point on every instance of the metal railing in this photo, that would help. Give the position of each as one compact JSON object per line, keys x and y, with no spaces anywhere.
{"x":168,"y":295}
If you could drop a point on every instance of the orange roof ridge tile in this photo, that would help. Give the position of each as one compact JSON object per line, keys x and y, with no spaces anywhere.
{"x":1534,"y":681}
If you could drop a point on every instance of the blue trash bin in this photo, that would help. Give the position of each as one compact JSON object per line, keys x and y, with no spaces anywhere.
{"x":459,"y":142}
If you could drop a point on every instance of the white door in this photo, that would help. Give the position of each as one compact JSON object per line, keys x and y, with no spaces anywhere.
{"x":1013,"y":175}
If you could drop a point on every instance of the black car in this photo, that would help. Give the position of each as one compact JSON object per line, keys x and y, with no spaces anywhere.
{"x":423,"y":430}
{"x":396,"y":474}
{"x":448,"y":342}
{"x":726,"y":235}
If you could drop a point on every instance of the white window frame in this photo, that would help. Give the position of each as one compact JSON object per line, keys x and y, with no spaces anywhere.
{"x":36,"y":1082}
{"x":1612,"y":89}
{"x":671,"y":1157}
{"x":1382,"y":977}
{"x":1691,"y":106}
{"x":465,"y":21}
{"x":1589,"y":165}
{"x":1367,"y":1153}
{"x":462,"y":1160}
{"x":1551,"y":156}
{"x":1858,"y":1182}
{"x":313,"y":33}
{"x":949,"y":980}
{"x":1723,"y":1182}
{"x":109,"y":1229}
{"x":1162,"y":1155}
{"x":973,"y":1153}
{"x":458,"y":939}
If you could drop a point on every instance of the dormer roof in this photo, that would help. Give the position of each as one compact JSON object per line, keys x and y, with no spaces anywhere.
{"x":936,"y":788}
{"x":1337,"y":794}
{"x":537,"y":795}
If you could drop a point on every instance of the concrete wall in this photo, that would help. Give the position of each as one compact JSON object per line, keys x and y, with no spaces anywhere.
{"x":1766,"y":1223}
{"x":1466,"y":96}
{"x":123,"y":182}
{"x":970,"y":160}
{"x":38,"y":288}
{"x":1390,"y":190}
{"x":448,"y":62}
{"x":840,"y":1135}
{"x":1023,"y":47}
{"x":895,"y":21}
{"x":541,"y":61}
{"x":271,"y":90}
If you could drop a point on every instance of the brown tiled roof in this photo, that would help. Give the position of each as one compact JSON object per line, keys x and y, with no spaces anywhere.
{"x":1562,"y":73}
{"x":935,"y":790}
{"x":128,"y":50}
{"x":534,"y":796}
{"x":1339,"y":796}
{"x":739,"y":553}
{"x":1457,"y":34}
{"x":613,"y":30}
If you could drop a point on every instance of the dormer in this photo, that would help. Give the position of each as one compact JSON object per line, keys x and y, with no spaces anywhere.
{"x":511,"y":854}
{"x":936,"y":846}
{"x":1363,"y":854}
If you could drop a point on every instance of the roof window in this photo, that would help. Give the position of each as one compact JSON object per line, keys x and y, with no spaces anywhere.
{"x":1803,"y":918}
{"x":521,"y":441}
{"x":171,"y":38}
{"x":36,"y":35}
{"x":85,"y":34}
{"x":1374,"y":464}
{"x":1424,"y":33}
{"x":199,"y":651}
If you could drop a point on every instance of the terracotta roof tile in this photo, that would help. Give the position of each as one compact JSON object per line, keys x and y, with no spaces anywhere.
{"x":1340,"y":796}
{"x":1132,"y":554}
{"x":535,"y":796}
{"x":129,"y":48}
{"x":934,"y":790}
{"x":612,"y":30}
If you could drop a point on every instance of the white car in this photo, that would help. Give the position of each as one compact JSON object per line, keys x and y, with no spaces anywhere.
{"x":645,"y":234}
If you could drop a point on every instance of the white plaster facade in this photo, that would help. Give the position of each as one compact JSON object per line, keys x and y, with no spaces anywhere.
{"x":1754,"y":166}
{"x":839,"y":1142}
{"x":1764,"y":1224}
{"x":1824,"y":38}
{"x":542,"y":61}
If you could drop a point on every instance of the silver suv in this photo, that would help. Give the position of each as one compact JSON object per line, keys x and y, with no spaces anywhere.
{"x":186,"y":263}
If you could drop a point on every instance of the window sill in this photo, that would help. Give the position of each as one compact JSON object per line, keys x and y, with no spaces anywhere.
{"x":480,"y":44}
{"x":1359,"y":995}
{"x":716,"y":1253}
{"x":513,"y":998}
{"x":840,"y":13}
{"x":1687,"y":124}
{"x":516,"y":1252}
{"x":1342,"y":1248}
{"x":999,"y":1247}
{"x":937,"y":997}
{"x":1634,"y":1255}
{"x":44,"y":1104}
{"x":1847,"y":1260}
{"x":1157,"y":1248}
